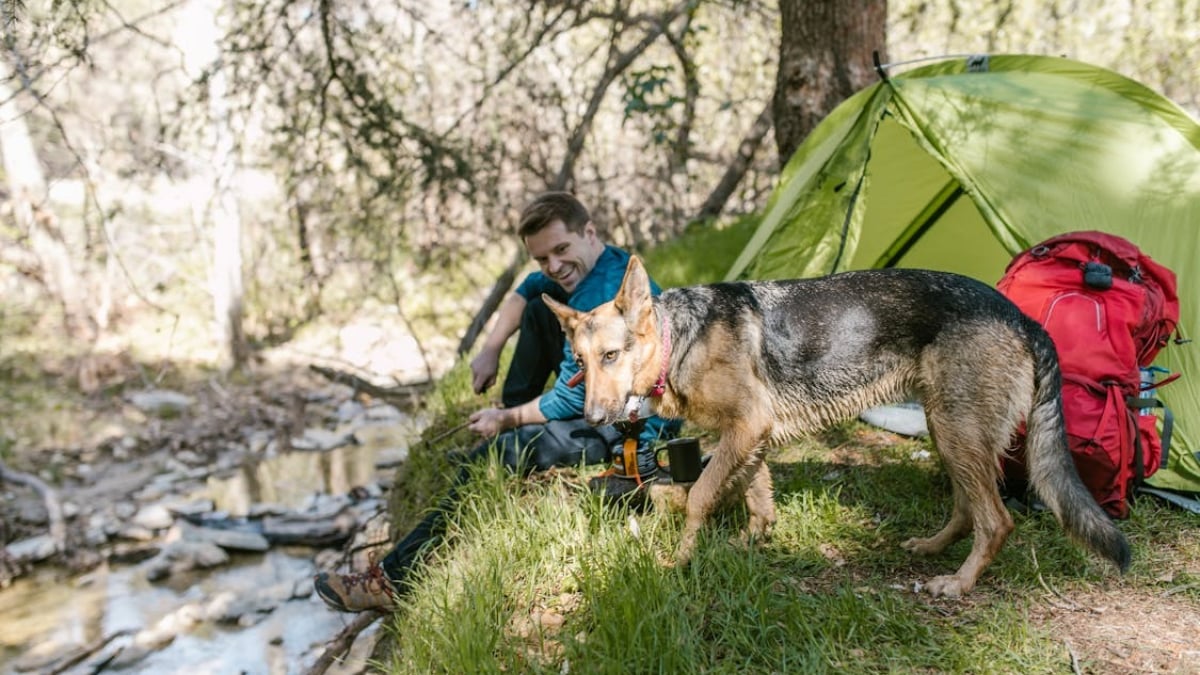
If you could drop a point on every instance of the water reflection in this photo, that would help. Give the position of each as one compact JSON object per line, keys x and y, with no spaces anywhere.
{"x":291,"y":479}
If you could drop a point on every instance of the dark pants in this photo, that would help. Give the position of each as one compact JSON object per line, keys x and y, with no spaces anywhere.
{"x":525,"y":449}
{"x":537,"y":356}
{"x":535,"y":447}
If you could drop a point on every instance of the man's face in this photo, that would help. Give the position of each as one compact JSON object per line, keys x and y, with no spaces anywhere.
{"x":564,"y":256}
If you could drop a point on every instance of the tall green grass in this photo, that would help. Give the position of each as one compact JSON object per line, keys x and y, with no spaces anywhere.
{"x":536,"y":576}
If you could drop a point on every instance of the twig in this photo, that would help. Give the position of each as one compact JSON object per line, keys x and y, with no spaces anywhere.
{"x":360,"y":384}
{"x":343,"y":641}
{"x":1071,"y":606}
{"x":1179,"y":589}
{"x":58,"y":527}
{"x":447,"y":433}
{"x":1074,"y":659}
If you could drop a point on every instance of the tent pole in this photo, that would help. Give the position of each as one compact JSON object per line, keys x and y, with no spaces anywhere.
{"x":933,"y":211}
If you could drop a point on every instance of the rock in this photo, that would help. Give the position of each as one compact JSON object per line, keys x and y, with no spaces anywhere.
{"x":154,"y":517}
{"x":267,"y":509}
{"x":182,"y":556}
{"x":321,"y":439}
{"x":160,"y":402}
{"x":348,"y":411}
{"x":132,"y":554}
{"x":229,"y":539}
{"x":190,"y":458}
{"x":247,"y":609}
{"x":384,"y":412}
{"x":33,"y":549}
{"x":134,"y":533}
{"x":95,"y":536}
{"x":166,"y":629}
{"x":309,"y":530}
{"x":302,"y":588}
{"x":192,"y":507}
{"x":124,"y":510}
{"x":43,"y":656}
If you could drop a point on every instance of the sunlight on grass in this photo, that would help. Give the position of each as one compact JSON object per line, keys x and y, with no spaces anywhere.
{"x":538,"y":577}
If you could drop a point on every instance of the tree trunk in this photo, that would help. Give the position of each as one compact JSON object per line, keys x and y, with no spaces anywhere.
{"x":51,"y":260}
{"x":825,"y":55}
{"x":227,"y":287}
{"x":202,"y":59}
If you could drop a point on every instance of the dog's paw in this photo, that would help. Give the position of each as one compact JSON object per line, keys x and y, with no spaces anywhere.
{"x":948,"y":586}
{"x":920,"y":546}
{"x":748,"y":539}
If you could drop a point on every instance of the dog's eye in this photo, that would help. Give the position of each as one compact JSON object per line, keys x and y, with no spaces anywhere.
{"x":579,"y":362}
{"x":610,"y":357}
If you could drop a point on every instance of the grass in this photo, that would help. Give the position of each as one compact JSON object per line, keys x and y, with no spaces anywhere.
{"x":535,"y":576}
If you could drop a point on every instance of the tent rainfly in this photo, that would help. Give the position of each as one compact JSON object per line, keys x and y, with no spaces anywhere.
{"x":960,"y":164}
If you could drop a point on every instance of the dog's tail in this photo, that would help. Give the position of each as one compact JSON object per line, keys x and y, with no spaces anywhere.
{"x":1051,"y":469}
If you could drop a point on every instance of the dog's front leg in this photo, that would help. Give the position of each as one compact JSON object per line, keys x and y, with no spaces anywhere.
{"x":729,"y":461}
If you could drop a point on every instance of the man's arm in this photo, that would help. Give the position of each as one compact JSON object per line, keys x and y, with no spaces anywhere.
{"x":487,"y":363}
{"x":491,"y":421}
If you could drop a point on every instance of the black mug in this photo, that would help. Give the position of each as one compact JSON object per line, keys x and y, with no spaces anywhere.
{"x":684,"y":457}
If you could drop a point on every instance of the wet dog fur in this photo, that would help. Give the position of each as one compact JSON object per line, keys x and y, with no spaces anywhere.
{"x":761,"y":363}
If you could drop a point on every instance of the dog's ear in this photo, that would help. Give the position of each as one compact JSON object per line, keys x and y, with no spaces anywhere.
{"x":634,"y":297}
{"x":566,"y":316}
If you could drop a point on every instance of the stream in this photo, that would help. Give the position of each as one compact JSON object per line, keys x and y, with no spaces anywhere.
{"x":208,"y":565}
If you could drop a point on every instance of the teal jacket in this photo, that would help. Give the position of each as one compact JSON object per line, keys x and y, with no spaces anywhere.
{"x":598,"y":287}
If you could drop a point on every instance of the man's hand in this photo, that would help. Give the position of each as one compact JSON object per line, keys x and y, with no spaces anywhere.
{"x":490,"y":421}
{"x":483,"y":370}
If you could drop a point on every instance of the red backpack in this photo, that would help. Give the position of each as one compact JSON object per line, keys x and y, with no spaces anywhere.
{"x":1109,"y":309}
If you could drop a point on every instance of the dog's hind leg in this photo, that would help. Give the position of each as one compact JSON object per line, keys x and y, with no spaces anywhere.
{"x":760,"y":501}
{"x":958,"y":527}
{"x":965,"y":445}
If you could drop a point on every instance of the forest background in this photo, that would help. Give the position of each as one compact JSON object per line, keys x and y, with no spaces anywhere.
{"x":193,"y":183}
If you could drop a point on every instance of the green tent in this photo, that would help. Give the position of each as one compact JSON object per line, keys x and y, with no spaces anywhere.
{"x":959,"y":164}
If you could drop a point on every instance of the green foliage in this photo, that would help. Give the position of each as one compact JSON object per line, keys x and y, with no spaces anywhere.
{"x":648,"y":92}
{"x":702,"y":254}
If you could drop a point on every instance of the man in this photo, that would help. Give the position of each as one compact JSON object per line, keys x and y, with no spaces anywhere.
{"x":533,"y":430}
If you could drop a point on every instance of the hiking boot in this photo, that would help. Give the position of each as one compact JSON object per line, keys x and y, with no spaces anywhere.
{"x":356,"y":592}
{"x":618,"y":488}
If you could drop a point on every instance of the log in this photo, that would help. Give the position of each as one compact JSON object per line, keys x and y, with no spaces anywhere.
{"x":58,"y":525}
{"x":405,"y":392}
{"x":343,"y":641}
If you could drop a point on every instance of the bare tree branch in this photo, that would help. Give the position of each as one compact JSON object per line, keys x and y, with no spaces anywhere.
{"x":619,"y":62}
{"x":736,"y":170}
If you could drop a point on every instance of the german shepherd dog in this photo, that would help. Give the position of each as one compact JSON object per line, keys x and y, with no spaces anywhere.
{"x":761,"y":363}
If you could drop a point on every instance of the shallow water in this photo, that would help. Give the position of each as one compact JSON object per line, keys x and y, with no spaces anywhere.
{"x":50,"y":614}
{"x":47,"y":613}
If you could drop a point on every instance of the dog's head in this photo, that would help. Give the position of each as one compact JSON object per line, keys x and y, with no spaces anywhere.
{"x":616,"y":346}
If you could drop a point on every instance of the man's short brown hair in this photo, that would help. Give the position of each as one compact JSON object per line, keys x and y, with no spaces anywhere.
{"x":549,"y":207}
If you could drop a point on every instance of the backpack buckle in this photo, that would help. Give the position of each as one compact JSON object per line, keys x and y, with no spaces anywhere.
{"x":1097,"y":275}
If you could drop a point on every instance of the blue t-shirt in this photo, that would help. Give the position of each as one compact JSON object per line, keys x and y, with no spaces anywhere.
{"x":598,"y":287}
